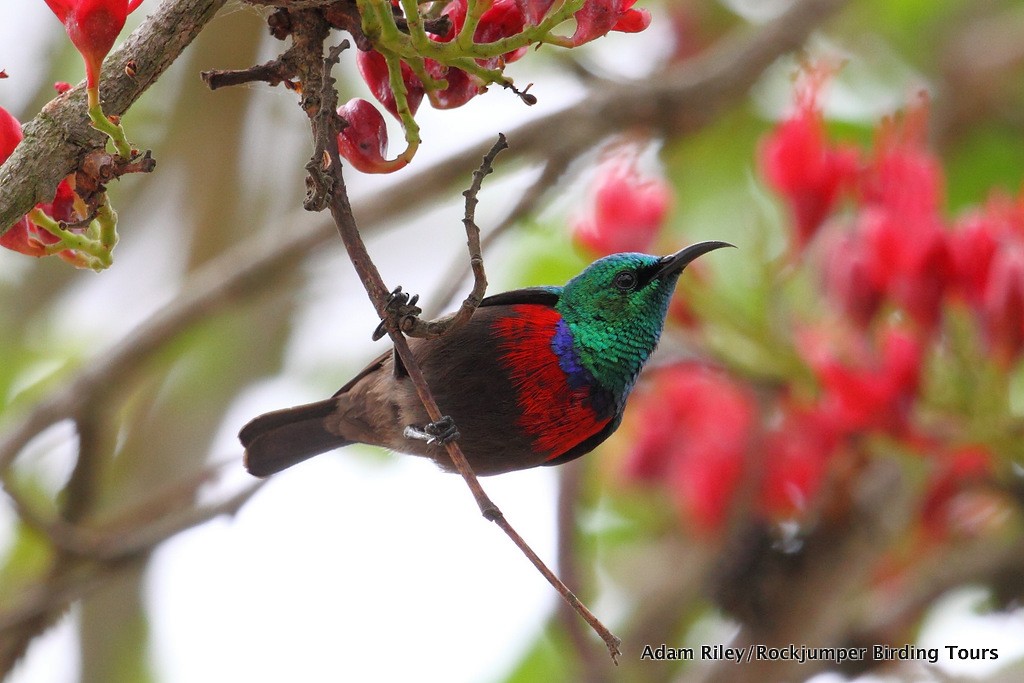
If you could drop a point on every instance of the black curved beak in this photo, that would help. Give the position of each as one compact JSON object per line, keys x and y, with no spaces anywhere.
{"x":674,"y":263}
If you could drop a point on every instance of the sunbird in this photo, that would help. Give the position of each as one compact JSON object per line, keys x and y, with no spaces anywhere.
{"x":538,"y":376}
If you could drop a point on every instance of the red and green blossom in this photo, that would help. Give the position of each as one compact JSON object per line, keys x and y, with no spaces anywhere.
{"x":364,"y":141}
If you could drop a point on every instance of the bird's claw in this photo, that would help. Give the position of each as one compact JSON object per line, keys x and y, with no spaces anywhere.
{"x":441,"y":432}
{"x":399,"y":306}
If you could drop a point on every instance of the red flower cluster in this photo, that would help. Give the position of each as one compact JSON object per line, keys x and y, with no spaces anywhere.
{"x":700,"y":430}
{"x":889,"y":248}
{"x":25,"y":236}
{"x":896,"y":248}
{"x":865,"y":386}
{"x":697,"y":431}
{"x":502,"y":19}
{"x":626,"y":211}
{"x":93,"y":26}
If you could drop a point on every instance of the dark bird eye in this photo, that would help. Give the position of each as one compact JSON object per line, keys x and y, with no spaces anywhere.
{"x":626,"y":280}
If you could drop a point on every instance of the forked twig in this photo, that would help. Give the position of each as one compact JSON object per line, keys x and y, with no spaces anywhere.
{"x":528,"y":202}
{"x":325,"y":125}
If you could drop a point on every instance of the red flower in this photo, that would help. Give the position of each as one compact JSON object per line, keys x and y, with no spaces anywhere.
{"x":374,"y":71}
{"x":364,"y":142}
{"x":798,"y":162}
{"x":909,"y":260}
{"x":901,"y":191}
{"x":597,"y":17}
{"x":693,"y":434}
{"x":460,"y":87}
{"x":93,"y":26}
{"x":903,"y":176}
{"x":627,"y":210}
{"x":25,"y":236}
{"x":503,"y":19}
{"x":16,"y":237}
{"x":987,"y":252}
{"x":873,"y":389}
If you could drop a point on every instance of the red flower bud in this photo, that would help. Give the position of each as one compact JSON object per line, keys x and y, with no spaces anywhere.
{"x":597,"y":17}
{"x":25,"y":236}
{"x":364,"y":141}
{"x":627,"y":209}
{"x":461,"y":86}
{"x":10,"y":134}
{"x":374,"y":71}
{"x":93,"y":26}
{"x":505,"y":18}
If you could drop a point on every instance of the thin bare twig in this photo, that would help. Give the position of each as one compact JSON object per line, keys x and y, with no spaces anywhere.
{"x":442,"y":325}
{"x":527,"y":203}
{"x":325,"y":125}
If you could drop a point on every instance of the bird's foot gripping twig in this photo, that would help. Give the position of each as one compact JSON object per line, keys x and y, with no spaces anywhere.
{"x":441,"y":432}
{"x":398,"y":308}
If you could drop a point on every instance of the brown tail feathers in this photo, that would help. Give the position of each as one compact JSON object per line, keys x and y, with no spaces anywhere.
{"x":276,"y":441}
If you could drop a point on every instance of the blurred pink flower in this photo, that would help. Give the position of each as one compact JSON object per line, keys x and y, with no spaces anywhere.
{"x":626,"y":211}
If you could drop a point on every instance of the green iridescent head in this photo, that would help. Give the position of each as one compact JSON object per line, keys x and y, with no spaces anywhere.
{"x":616,"y":310}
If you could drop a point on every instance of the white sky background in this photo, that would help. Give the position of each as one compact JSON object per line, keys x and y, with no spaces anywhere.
{"x":348,"y":566}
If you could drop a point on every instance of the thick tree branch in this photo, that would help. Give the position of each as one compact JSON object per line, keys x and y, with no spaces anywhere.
{"x":58,"y":138}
